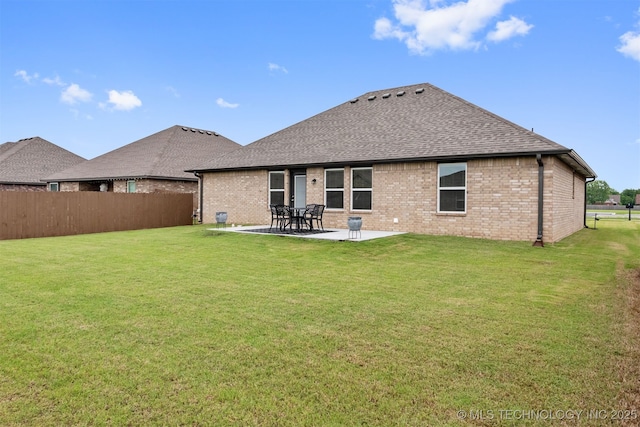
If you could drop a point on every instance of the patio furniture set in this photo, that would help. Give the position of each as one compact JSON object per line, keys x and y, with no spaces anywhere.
{"x":297,"y":220}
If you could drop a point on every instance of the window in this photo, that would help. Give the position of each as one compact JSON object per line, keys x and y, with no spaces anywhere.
{"x":334,"y":188}
{"x":452,"y":187}
{"x":131,"y":186}
{"x":54,"y":186}
{"x":361,"y":188}
{"x":276,"y":188}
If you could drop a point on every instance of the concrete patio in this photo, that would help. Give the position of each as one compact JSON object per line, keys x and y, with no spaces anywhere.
{"x":330,"y":234}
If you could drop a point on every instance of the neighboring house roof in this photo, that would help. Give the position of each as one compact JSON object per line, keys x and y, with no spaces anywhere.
{"x":163,"y":155}
{"x":28,"y":161}
{"x":409,"y":123}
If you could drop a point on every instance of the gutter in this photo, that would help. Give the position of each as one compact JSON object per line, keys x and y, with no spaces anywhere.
{"x":585,"y":200}
{"x":539,"y":241}
{"x":200,"y":195}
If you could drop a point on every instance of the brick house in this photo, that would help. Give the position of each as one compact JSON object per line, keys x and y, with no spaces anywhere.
{"x":23,"y":164}
{"x":155,"y":163}
{"x":414,"y":159}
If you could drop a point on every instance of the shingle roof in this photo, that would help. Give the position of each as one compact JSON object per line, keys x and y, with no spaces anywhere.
{"x":417,"y":122}
{"x":163,"y":155}
{"x":29,"y":160}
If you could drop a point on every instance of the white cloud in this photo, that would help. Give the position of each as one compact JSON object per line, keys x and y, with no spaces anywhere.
{"x":74,"y":94}
{"x":224,"y":104}
{"x":630,"y":43}
{"x":123,"y":101}
{"x":276,"y":67}
{"x":25,"y":76}
{"x":426,"y":26}
{"x":507,"y":29}
{"x":56,"y":81}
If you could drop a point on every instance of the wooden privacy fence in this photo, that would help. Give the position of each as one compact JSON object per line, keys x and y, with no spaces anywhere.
{"x":41,"y":214}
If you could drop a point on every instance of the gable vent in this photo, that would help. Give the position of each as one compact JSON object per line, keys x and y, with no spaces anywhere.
{"x":420,"y":90}
{"x":386,"y":95}
{"x":371,"y":98}
{"x":400,"y":93}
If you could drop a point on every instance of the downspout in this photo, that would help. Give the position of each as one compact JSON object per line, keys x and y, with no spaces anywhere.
{"x":200,"y":196}
{"x":585,"y":200}
{"x":539,"y":241}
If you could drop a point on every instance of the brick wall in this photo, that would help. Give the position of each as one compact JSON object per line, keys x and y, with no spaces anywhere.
{"x":567,"y":201}
{"x":22,"y":187}
{"x":502,"y":199}
{"x":142,"y":186}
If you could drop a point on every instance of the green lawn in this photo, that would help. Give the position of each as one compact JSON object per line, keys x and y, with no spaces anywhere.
{"x":184,"y":326}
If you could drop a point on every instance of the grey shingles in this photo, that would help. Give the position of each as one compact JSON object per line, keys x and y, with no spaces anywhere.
{"x":432,"y":124}
{"x":165,"y":155}
{"x":30,"y":160}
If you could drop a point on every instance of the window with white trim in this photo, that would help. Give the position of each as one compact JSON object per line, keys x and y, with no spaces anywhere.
{"x":54,"y":186}
{"x":361,"y":188}
{"x":452,"y":187}
{"x":276,"y":188}
{"x":334,"y":188}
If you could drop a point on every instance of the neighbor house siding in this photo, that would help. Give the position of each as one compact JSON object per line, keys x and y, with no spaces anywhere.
{"x":502,"y":199}
{"x":22,"y":187}
{"x":142,"y":186}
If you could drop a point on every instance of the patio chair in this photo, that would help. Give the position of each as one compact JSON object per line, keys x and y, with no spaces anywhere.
{"x":278,"y":217}
{"x":284,"y":216}
{"x":274,"y":216}
{"x":316,"y":214}
{"x":308,"y":213}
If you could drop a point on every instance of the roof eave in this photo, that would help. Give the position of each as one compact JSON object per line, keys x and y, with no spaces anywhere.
{"x":578,"y":163}
{"x":121,"y":178}
{"x":22,"y":183}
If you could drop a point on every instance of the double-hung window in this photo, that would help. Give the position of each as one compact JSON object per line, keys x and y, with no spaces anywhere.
{"x":361,"y":188}
{"x":452,"y":187}
{"x":276,"y":188}
{"x":334,"y":188}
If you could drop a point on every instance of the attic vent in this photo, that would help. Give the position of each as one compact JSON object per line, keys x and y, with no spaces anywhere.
{"x":193,"y":130}
{"x":201,"y":131}
{"x":216,"y":134}
{"x":185,"y":128}
{"x":400,"y":93}
{"x":353,"y":101}
{"x":208,"y":133}
{"x":420,"y":90}
{"x":371,"y":98}
{"x":386,"y":95}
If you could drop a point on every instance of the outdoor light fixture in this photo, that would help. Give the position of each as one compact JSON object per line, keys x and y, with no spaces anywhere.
{"x":313,"y":181}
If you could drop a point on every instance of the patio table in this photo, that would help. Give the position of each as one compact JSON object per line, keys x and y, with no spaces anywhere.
{"x":297,"y":218}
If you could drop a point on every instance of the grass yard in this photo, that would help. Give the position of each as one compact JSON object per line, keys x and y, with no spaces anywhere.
{"x":184,"y":326}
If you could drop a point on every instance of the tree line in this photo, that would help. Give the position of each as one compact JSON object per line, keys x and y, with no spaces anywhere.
{"x":599,"y":191}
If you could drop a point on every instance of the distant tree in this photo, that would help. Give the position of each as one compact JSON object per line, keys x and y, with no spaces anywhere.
{"x":598,"y":191}
{"x":628,"y":196}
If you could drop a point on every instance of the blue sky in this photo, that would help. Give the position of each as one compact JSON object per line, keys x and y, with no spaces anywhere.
{"x":92,"y":76}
